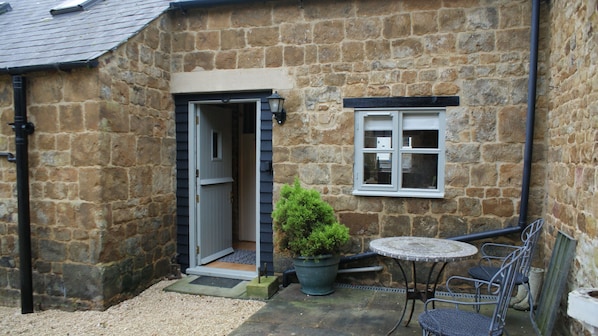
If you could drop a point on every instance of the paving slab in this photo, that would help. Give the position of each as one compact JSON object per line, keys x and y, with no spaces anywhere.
{"x":347,"y":311}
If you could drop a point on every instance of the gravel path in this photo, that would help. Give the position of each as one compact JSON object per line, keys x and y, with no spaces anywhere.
{"x":153,"y":312}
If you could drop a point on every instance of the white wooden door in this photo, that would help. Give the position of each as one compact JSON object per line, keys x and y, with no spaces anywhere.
{"x":214,"y":183}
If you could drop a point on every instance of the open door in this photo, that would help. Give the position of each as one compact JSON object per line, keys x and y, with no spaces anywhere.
{"x":214,"y":183}
{"x":224,"y":189}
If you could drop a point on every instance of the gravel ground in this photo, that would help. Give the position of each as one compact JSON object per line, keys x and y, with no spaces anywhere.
{"x":153,"y":312}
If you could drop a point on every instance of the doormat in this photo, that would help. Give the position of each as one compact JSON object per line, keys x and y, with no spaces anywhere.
{"x":246,"y":257}
{"x":215,"y":282}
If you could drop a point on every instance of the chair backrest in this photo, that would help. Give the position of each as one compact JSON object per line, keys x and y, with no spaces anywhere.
{"x":563,"y":253}
{"x":530,"y":236}
{"x":506,"y":277}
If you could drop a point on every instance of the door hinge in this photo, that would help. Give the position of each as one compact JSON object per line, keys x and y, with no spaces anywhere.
{"x":196,"y":120}
{"x":196,"y":198}
{"x":197,"y":249}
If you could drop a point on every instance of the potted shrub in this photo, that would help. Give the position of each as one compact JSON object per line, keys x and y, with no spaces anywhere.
{"x":307,"y":230}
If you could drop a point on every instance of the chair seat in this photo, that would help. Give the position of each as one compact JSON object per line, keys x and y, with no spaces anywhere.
{"x":486,"y":273}
{"x":455,"y":322}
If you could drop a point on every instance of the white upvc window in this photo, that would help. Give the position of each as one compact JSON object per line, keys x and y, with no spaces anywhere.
{"x":399,"y":152}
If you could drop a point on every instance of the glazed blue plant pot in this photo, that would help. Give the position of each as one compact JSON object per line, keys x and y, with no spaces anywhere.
{"x":317,"y":275}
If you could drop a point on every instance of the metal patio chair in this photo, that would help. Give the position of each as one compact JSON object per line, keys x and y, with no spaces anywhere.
{"x":493,"y":254}
{"x":445,"y":321}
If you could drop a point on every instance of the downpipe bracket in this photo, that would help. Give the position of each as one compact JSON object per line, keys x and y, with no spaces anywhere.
{"x":10,"y":157}
{"x":27,"y":128}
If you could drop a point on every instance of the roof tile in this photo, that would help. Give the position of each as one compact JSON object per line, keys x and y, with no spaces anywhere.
{"x":31,"y":37}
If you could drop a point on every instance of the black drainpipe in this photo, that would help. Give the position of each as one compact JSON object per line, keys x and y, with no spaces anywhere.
{"x":529,"y":136}
{"x":531,"y":113}
{"x":22,"y":129}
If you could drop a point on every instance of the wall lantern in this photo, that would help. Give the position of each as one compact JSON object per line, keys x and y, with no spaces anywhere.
{"x":276,"y":102}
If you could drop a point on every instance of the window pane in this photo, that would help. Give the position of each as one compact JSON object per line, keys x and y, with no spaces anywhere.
{"x":419,"y":171}
{"x":420,"y":139}
{"x":423,"y":121}
{"x":377,"y":132}
{"x":377,"y":168}
{"x":216,"y":151}
{"x":378,"y":139}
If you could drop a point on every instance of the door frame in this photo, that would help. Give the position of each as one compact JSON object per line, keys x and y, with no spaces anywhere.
{"x":194,"y":267}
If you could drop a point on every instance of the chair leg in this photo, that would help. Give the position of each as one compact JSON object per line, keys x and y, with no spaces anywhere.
{"x":478,"y":296}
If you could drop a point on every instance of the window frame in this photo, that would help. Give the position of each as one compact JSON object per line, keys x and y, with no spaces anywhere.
{"x":394,"y":189}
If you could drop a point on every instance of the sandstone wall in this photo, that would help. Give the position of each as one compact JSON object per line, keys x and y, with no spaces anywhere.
{"x":102,"y":178}
{"x":477,"y":50}
{"x":573,"y":138}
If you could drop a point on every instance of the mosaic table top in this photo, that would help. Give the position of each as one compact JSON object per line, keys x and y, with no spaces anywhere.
{"x":422,"y":249}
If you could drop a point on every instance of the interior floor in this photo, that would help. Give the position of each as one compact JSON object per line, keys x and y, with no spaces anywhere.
{"x":241,"y":245}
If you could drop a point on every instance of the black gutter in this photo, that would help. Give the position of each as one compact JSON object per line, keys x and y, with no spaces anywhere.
{"x":22,"y":129}
{"x":185,"y":5}
{"x":531,"y":113}
{"x":65,"y":66}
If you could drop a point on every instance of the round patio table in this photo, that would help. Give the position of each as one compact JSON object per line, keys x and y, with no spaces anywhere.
{"x":421,"y":249}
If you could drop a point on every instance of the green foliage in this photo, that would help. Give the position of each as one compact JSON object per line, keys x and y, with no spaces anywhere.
{"x":305,"y":224}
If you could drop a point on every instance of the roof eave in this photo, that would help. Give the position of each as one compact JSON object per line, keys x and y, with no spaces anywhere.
{"x":184,"y":5}
{"x":63,"y":66}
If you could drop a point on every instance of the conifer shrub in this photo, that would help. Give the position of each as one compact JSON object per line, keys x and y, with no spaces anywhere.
{"x":305,"y":225}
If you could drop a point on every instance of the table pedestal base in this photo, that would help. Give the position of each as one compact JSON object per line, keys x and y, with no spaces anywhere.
{"x":413,"y":293}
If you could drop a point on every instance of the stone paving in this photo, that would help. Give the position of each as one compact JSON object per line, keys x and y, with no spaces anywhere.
{"x":348,"y":311}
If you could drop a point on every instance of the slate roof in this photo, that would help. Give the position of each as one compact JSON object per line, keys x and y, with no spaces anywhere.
{"x":32,"y":39}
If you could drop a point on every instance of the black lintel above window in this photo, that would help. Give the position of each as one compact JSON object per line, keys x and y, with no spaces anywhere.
{"x":428,"y":101}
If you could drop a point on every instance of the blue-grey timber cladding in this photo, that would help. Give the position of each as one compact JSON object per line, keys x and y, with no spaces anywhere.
{"x":266,"y":178}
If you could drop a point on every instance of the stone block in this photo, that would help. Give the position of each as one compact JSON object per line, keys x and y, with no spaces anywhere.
{"x":360,"y":224}
{"x":232,"y":39}
{"x":83,"y":281}
{"x":397,"y":26}
{"x":263,"y":36}
{"x":262,"y":287}
{"x":500,"y":207}
{"x":327,"y":32}
{"x":251,"y":58}
{"x":363,"y":29}
{"x":274,"y":56}
{"x":256,"y":17}
{"x":294,"y":55}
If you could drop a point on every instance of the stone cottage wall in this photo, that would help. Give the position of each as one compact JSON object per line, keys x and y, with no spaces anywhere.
{"x":102,"y":178}
{"x":477,"y":50}
{"x":573,"y":140}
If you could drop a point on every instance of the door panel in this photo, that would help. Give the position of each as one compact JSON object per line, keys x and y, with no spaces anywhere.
{"x":214,"y":183}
